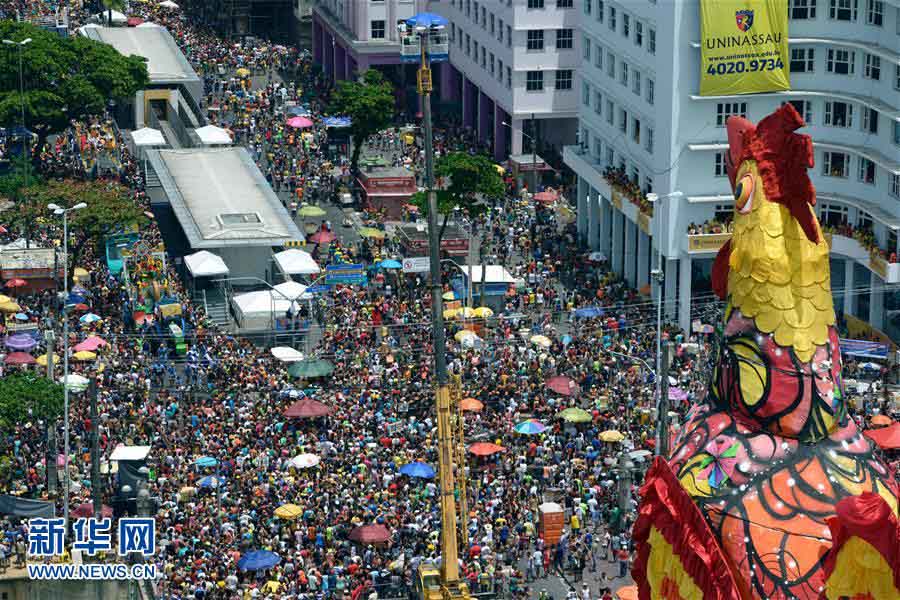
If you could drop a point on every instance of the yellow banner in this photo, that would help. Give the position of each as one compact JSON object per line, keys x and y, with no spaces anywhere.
{"x":743,"y":47}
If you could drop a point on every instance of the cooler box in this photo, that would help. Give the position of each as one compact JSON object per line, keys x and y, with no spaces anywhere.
{"x":552,"y":522}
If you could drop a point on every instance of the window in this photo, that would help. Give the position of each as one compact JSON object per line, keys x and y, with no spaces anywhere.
{"x":598,"y":147}
{"x":475,"y":50}
{"x":508,"y":36}
{"x":598,"y":104}
{"x":499,"y":30}
{"x":476,"y":13}
{"x":500,"y":70}
{"x":612,"y":18}
{"x":585,"y":94}
{"x":720,"y":169}
{"x":623,"y":120}
{"x":866,"y":171}
{"x":601,"y":10}
{"x":565,"y":3}
{"x":598,"y":58}
{"x":834,"y":215}
{"x":895,"y":136}
{"x":636,"y":130}
{"x":483,"y":61}
{"x":452,"y":32}
{"x":493,"y":28}
{"x":843,"y":10}
{"x":863,"y":220}
{"x":491,"y":62}
{"x":468,"y":8}
{"x":804,"y":108}
{"x":648,"y":181}
{"x":635,"y":175}
{"x":535,"y":3}
{"x":483,"y":18}
{"x":610,"y":155}
{"x":636,"y":82}
{"x":509,"y":78}
{"x":802,"y":60}
{"x":870,"y":120}
{"x":650,"y":90}
{"x":897,"y":67}
{"x":875,"y":12}
{"x":588,"y":4}
{"x":803,"y":9}
{"x":873,"y":67}
{"x":586,"y":48}
{"x":841,"y":61}
{"x":839,"y":114}
{"x":564,"y":79}
{"x":610,"y":112}
{"x":626,"y":25}
{"x":836,"y":164}
{"x":468,"y":45}
{"x":564,"y":39}
{"x":623,"y":74}
{"x":895,"y":186}
{"x":729,"y":109}
{"x":534,"y":81}
{"x":535,"y":40}
{"x":651,"y":41}
{"x":648,"y":140}
{"x":610,"y":64}
{"x":377,"y":30}
{"x":638,"y":33}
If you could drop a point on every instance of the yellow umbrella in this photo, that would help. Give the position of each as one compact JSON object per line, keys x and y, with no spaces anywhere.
{"x":466,"y":312}
{"x":461,"y":335}
{"x":10,"y":307}
{"x":449,"y":296}
{"x":371,"y":232}
{"x":483,"y":312}
{"x":80,"y":273}
{"x":541,"y":340}
{"x":242,"y":72}
{"x":5,"y":299}
{"x":450,"y":313}
{"x":84,"y":355}
{"x":611,"y":435}
{"x":310,"y":210}
{"x":288,"y":511}
{"x":42,"y":360}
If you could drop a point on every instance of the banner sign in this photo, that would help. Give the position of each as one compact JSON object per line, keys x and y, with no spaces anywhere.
{"x":346,"y":274}
{"x":743,"y":47}
{"x":864,"y":348}
{"x":416,"y":264}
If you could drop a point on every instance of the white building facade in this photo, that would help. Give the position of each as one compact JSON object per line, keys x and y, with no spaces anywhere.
{"x":513,"y":62}
{"x":640,"y":112}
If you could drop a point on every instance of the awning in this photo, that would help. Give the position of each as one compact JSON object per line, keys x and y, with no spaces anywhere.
{"x":211,"y":135}
{"x":147,"y":136}
{"x":492,"y":274}
{"x":205,"y":264}
{"x":130,"y":453}
{"x":296,"y":262}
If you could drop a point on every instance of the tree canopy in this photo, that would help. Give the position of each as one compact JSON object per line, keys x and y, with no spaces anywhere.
{"x":369,"y":104}
{"x":24,"y":392}
{"x":466,"y":182}
{"x":65,"y":78}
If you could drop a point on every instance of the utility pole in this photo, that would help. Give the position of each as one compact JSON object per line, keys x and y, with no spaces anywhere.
{"x":533,"y":155}
{"x":663,"y":417}
{"x":95,"y":451}
{"x":50,"y":337}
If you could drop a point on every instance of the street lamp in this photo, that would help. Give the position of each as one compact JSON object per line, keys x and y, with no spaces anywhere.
{"x":533,"y":151}
{"x":658,"y":275}
{"x":21,"y":45}
{"x":58,"y":210}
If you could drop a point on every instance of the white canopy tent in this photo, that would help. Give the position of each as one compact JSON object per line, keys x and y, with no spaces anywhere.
{"x":492,"y":274}
{"x":293,"y":290}
{"x":286,"y":354}
{"x":123,"y":452}
{"x":146,"y":24}
{"x":212,"y":135}
{"x":111,"y":17}
{"x":205,"y":264}
{"x":296,"y":262}
{"x":258,"y":310}
{"x":147,"y":136}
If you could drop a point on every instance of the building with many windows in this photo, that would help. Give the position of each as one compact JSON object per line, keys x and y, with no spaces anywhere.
{"x":644,"y":128}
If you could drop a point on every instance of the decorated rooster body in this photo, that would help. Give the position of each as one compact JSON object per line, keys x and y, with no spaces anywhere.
{"x":748,"y":504}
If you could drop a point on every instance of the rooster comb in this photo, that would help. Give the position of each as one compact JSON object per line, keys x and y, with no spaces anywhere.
{"x":782,"y":158}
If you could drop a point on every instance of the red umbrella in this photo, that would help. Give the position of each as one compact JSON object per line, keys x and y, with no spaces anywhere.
{"x":14,"y":283}
{"x":87,"y":510}
{"x":307,"y":408}
{"x":134,"y":21}
{"x":471,"y":404}
{"x":81,"y":307}
{"x":299,"y":122}
{"x":886,"y":437}
{"x":322,"y":237}
{"x":19,"y":358}
{"x":485,"y":448}
{"x":546,"y":197}
{"x":562,"y":385}
{"x":3,"y":229}
{"x":370,"y":534}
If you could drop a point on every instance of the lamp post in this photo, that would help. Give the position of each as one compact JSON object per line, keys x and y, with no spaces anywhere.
{"x":58,"y":210}
{"x":658,"y":275}
{"x":21,"y":45}
{"x":533,"y":150}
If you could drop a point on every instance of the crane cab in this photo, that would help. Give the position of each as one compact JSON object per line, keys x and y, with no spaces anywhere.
{"x":410,"y":52}
{"x":428,"y":582}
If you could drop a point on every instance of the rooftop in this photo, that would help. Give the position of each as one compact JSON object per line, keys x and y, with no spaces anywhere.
{"x":221,"y":198}
{"x":165,"y":62}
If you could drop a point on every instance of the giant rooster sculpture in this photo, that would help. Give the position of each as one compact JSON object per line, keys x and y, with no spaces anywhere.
{"x":771,"y":492}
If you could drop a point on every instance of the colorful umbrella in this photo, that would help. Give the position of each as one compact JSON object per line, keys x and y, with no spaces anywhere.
{"x":307,"y":408}
{"x":322,"y":237}
{"x":371,"y":232}
{"x":90,"y":344}
{"x":449,"y":296}
{"x":21,"y":341}
{"x":16,"y":283}
{"x":84,"y":355}
{"x":562,"y":385}
{"x":417,"y":469}
{"x":75,"y":382}
{"x":206,"y":461}
{"x":242,"y":72}
{"x":466,"y":312}
{"x":575,"y":415}
{"x":19,"y":358}
{"x":42,"y":360}
{"x":886,"y":437}
{"x":881,"y":420}
{"x":89,"y":318}
{"x":530,"y":427}
{"x":258,"y":560}
{"x":370,"y":534}
{"x":589,"y":312}
{"x":299,"y":122}
{"x":210,"y":481}
{"x":390,"y":264}
{"x":485,"y":448}
{"x":483,"y":312}
{"x":721,"y":461}
{"x":471,"y":405}
{"x":309,"y":210}
{"x":463,"y":334}
{"x":451,"y":313}
{"x":305,"y":461}
{"x":4,"y":299}
{"x":288,"y":512}
{"x":611,"y":435}
{"x":541,"y":340}
{"x":10,"y":307}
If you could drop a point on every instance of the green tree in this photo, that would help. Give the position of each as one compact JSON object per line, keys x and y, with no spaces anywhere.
{"x":369,"y":104}
{"x":25,"y":396}
{"x":65,"y":78}
{"x":109,"y":210}
{"x":468,"y":183}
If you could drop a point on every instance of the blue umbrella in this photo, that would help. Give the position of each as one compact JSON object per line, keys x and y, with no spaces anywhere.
{"x":80,"y":291}
{"x":530,"y":427}
{"x":258,"y":560}
{"x":210,"y":481}
{"x":21,"y":317}
{"x":89,"y":318}
{"x":206,"y":461}
{"x":418,"y":469}
{"x":75,"y":299}
{"x":298,"y":111}
{"x":390,"y":264}
{"x":589,"y":312}
{"x":426,"y":21}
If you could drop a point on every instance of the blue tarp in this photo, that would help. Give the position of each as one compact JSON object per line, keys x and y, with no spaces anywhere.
{"x":426,"y":20}
{"x":336,"y":121}
{"x":864,"y":348}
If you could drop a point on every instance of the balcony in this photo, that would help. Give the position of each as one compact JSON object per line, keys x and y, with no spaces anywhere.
{"x":624,"y":189}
